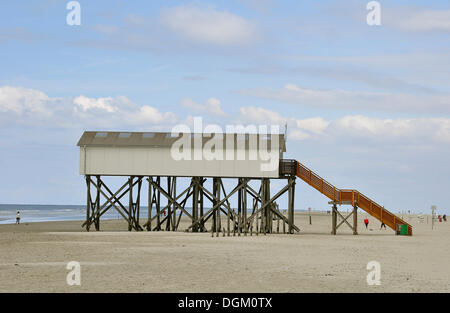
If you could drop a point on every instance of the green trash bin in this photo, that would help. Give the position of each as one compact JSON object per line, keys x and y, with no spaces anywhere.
{"x":404,"y":229}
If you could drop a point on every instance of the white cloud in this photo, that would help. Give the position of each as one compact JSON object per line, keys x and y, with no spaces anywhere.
{"x":32,"y":107}
{"x":260,"y":115}
{"x":151,"y":115}
{"x":354,"y":127}
{"x":298,"y":129}
{"x":297,"y":134}
{"x":25,"y":103}
{"x":212,"y":106}
{"x":345,"y":99}
{"x":388,"y":129}
{"x":209,"y":26}
{"x":86,"y":104}
{"x":21,"y":100}
{"x":316,"y":125}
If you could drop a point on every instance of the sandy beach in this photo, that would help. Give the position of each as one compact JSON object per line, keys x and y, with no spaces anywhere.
{"x":33,"y":258}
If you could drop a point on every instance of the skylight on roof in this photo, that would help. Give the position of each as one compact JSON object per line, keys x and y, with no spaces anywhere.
{"x":148,"y":135}
{"x":124,"y":135}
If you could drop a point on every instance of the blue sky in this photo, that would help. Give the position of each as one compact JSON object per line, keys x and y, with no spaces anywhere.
{"x":367,"y":106}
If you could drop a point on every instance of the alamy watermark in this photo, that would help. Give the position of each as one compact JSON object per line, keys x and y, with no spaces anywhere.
{"x":374,"y":276}
{"x":373,"y":18}
{"x":74,"y":16}
{"x":73,"y":278}
{"x":237,"y":142}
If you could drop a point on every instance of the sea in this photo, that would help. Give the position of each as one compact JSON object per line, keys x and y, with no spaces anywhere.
{"x":30,"y":213}
{"x":47,"y":213}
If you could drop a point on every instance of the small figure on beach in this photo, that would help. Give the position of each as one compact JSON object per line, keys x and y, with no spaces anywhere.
{"x":444,"y":217}
{"x":366,"y":222}
{"x":18,"y":218}
{"x":382,"y":225}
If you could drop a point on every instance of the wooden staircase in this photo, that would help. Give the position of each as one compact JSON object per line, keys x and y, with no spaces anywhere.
{"x":350,"y":196}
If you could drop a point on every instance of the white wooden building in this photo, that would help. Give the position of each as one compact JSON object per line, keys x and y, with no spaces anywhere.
{"x":153,"y":154}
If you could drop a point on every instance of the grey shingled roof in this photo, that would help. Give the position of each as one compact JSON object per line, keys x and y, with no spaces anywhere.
{"x":150,"y":139}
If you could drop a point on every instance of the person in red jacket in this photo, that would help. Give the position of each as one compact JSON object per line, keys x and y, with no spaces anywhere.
{"x":366,"y":222}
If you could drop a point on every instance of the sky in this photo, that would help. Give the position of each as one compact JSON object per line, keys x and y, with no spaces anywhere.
{"x":367,"y":106}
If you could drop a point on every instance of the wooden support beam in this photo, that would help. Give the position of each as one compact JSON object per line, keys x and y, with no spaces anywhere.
{"x":291,"y":205}
{"x":130,"y":203}
{"x":148,"y":225}
{"x":169,"y":206}
{"x":201,"y":203}
{"x":216,"y":206}
{"x":189,"y":193}
{"x":158,"y":201}
{"x":195,"y":207}
{"x":216,"y":196}
{"x":344,"y":220}
{"x":97,"y":205}
{"x":170,"y":199}
{"x":276,"y":196}
{"x":244,"y":207}
{"x":115,"y":197}
{"x":334,"y":215}
{"x":88,"y":202}
{"x":333,"y":219}
{"x":109,"y":200}
{"x":237,"y":219}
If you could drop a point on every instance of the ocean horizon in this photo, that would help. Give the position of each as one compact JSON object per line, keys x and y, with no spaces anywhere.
{"x":30,"y":213}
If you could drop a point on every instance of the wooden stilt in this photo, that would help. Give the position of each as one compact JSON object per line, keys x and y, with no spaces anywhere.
{"x":195,"y":203}
{"x":130,"y":204}
{"x":264,"y":212}
{"x":291,"y":195}
{"x":202,"y":224}
{"x":244,"y":208}
{"x":216,"y":193}
{"x":88,"y":202}
{"x":174,"y":211}
{"x":229,"y":218}
{"x":158,"y":204}
{"x":333,"y":219}
{"x":148,"y":225}
{"x":97,"y":205}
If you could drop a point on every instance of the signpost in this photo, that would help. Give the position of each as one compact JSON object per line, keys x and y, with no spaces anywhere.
{"x":433,"y":208}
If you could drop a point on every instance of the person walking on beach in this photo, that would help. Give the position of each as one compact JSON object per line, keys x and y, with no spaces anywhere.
{"x":18,"y":218}
{"x":366,"y":222}
{"x":382,"y":225}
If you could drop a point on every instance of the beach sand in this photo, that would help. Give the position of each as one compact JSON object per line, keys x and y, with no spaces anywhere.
{"x":33,"y":258}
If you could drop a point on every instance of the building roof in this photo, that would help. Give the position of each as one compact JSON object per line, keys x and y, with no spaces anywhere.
{"x":161,"y":139}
